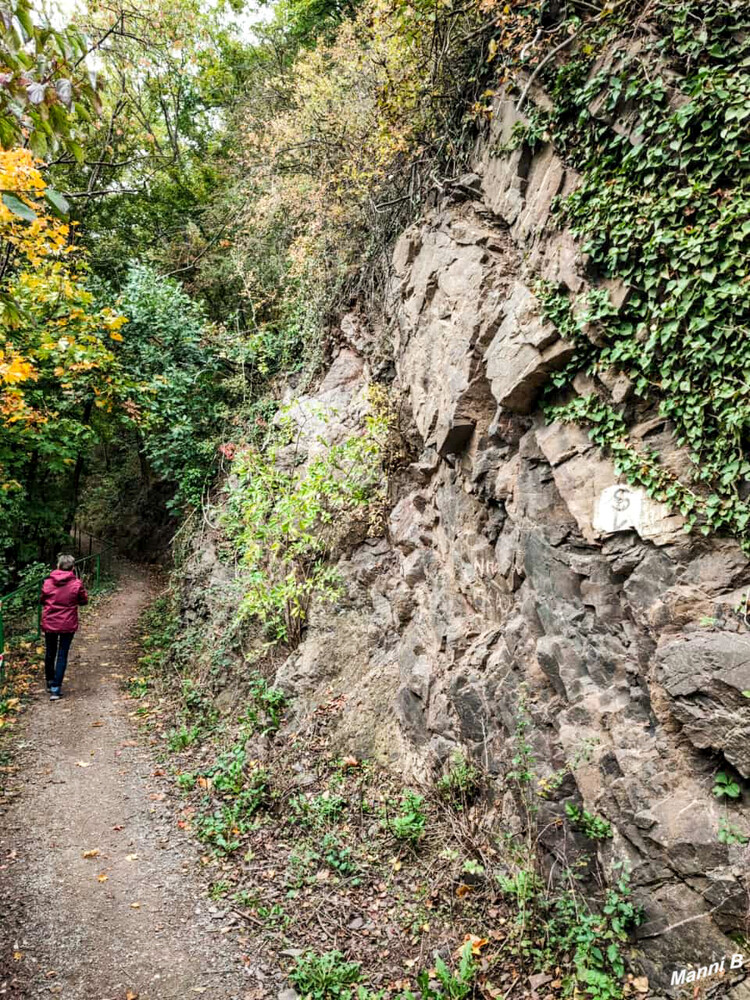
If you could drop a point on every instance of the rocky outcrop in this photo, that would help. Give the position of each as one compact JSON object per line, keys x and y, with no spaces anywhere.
{"x":519,"y":566}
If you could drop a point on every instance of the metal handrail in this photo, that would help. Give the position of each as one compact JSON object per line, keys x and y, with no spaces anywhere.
{"x":96,"y":557}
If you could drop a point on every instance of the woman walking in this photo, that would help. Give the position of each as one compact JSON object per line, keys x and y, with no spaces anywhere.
{"x":62,"y":593}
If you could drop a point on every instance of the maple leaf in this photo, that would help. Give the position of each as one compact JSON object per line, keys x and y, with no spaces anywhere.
{"x":93,"y":853}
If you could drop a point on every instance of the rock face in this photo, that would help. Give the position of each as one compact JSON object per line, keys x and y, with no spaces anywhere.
{"x":518,"y":567}
{"x":520,"y":574}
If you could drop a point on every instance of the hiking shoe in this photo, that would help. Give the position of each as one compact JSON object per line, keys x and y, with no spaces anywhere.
{"x":54,"y":695}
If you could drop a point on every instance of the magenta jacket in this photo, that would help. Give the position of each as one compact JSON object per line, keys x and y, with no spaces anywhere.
{"x":62,"y":592}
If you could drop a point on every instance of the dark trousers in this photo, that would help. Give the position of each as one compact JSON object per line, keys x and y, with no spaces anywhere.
{"x":57,"y":647}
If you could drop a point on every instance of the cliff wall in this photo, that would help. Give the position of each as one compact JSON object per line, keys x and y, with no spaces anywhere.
{"x":520,"y":574}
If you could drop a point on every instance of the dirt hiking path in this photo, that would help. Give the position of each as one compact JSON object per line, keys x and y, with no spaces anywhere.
{"x":128,"y":921}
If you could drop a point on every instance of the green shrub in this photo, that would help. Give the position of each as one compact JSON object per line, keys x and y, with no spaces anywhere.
{"x":284,"y":523}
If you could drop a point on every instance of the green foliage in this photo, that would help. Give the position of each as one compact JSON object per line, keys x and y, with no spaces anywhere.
{"x":186,"y":781}
{"x":454,"y":985}
{"x":524,"y":759}
{"x":325,"y":977}
{"x":266,"y":707}
{"x":730,"y":834}
{"x":183,"y":737}
{"x":178,"y":363}
{"x":461,"y":782}
{"x":218,"y":890}
{"x":318,"y":811}
{"x":138,"y":687}
{"x":667,"y":214}
{"x":410,"y":822}
{"x":284,"y":522}
{"x":594,"y":827}
{"x":245,"y":789}
{"x":338,"y":858}
{"x":725,"y":786}
{"x":47,"y":89}
{"x":559,"y":928}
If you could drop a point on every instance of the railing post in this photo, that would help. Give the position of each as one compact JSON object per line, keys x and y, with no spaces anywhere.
{"x":97,"y":572}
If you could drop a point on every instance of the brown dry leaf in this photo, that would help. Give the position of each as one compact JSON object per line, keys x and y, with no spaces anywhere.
{"x":640,"y":983}
{"x":17,"y":956}
{"x":350,"y":762}
{"x":477,"y":943}
{"x":135,"y":906}
{"x":463,"y":890}
{"x":131,"y":996}
{"x":93,"y":853}
{"x":157,"y":796}
{"x":103,"y":877}
{"x":95,"y":725}
{"x":83,"y":763}
{"x":131,"y":857}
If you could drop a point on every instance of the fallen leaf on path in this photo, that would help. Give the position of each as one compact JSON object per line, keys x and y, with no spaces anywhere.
{"x":95,"y":725}
{"x":640,"y":984}
{"x":477,"y":943}
{"x":131,"y":857}
{"x":157,"y":796}
{"x":83,"y":763}
{"x":118,"y":828}
{"x":102,"y":877}
{"x":17,"y":955}
{"x":93,"y":853}
{"x":135,"y":906}
{"x":131,"y":996}
{"x":199,"y":989}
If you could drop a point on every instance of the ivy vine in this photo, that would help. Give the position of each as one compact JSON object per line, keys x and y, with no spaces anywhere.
{"x":660,"y":140}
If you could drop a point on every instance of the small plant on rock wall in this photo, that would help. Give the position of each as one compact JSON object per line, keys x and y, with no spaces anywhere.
{"x":726,"y":787}
{"x":593,"y":827}
{"x":730,"y":834}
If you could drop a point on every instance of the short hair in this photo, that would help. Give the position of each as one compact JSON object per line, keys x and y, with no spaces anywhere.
{"x":65,"y":562}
